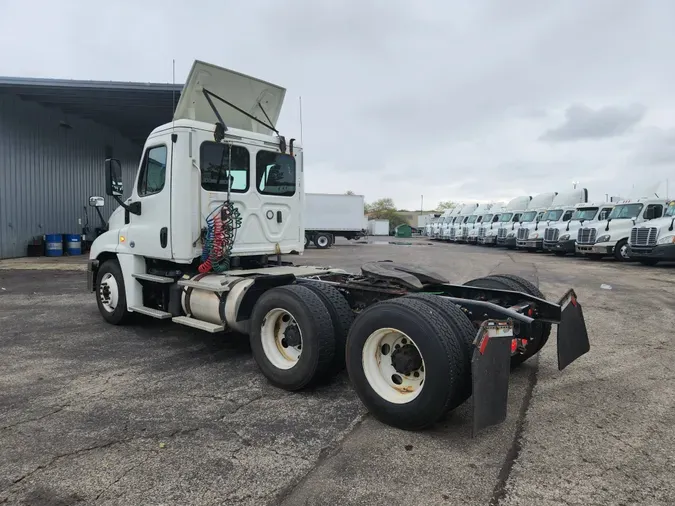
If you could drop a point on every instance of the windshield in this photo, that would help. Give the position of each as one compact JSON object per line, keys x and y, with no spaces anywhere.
{"x":506,"y":217}
{"x":472,"y":218}
{"x":528,"y":216}
{"x":487,"y":218}
{"x":585,"y":214}
{"x":553,"y":215}
{"x":625,"y":212}
{"x":671,"y":210}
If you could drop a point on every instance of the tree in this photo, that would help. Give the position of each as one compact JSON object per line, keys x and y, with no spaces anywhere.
{"x":384,"y":209}
{"x":445,"y":204}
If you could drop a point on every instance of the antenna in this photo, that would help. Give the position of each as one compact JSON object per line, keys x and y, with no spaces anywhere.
{"x":301,"y":142}
{"x":173,"y":94}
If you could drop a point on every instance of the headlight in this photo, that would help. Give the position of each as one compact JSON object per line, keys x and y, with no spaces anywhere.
{"x":669,"y":239}
{"x":565,"y":237}
{"x":511,"y":234}
{"x":489,"y":232}
{"x":603,"y":238}
{"x":535,"y":235}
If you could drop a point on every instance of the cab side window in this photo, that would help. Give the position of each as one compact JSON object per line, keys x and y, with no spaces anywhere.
{"x":275,"y":174}
{"x":516,"y":218}
{"x":656,"y":209}
{"x":567,"y":215}
{"x":153,"y":171}
{"x":604,"y":214}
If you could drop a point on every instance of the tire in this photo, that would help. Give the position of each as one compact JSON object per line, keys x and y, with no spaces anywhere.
{"x":648,"y":261}
{"x":306,"y":242}
{"x":621,"y":245}
{"x":317,"y":338}
{"x":463,"y":329}
{"x":540,"y":331}
{"x":322,"y":241}
{"x":341,"y":316}
{"x":110,"y":272}
{"x":440,"y":350}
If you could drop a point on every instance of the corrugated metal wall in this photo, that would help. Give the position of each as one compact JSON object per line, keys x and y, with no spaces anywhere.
{"x":48,"y":172}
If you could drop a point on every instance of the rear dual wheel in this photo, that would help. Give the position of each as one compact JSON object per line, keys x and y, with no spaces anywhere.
{"x":409,"y":361}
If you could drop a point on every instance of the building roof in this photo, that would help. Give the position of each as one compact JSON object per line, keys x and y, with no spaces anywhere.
{"x":134,"y":109}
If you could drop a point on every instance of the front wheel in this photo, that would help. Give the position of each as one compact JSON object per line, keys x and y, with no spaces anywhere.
{"x":621,"y":251}
{"x":322,"y":241}
{"x":111,"y":297}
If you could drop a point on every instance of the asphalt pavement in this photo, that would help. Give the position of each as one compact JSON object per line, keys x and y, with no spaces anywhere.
{"x":156,"y":413}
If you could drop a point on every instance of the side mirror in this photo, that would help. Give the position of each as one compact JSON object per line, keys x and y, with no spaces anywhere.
{"x":96,"y":201}
{"x":113,"y":178}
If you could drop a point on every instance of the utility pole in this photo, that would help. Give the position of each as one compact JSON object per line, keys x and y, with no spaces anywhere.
{"x":422,"y":205}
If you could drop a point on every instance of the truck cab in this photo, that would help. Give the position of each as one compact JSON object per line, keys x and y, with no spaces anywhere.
{"x":456,"y":228}
{"x":560,"y":237}
{"x":509,"y":218}
{"x":560,"y":208}
{"x":470,"y":230}
{"x":477,"y":231}
{"x":487,"y":233}
{"x":449,"y":220}
{"x":610,"y":237}
{"x":653,"y":240}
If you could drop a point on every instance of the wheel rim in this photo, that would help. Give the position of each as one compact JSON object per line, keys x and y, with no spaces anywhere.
{"x":322,"y":241}
{"x":623,"y":251}
{"x":108,"y":292}
{"x":393,"y":366}
{"x":281,"y":338}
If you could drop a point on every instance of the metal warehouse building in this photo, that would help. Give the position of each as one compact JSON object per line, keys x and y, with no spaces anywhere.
{"x":54,"y":138}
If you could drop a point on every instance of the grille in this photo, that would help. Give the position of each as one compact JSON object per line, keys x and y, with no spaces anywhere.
{"x":481,"y":232}
{"x":465,"y":231}
{"x":586,"y":236}
{"x":643,"y":236}
{"x":501,"y":233}
{"x":523,"y":233}
{"x":551,"y":234}
{"x":452,"y":233}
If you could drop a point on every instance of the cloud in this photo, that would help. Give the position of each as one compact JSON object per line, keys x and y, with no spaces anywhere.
{"x":657,"y":148}
{"x":582,"y":122}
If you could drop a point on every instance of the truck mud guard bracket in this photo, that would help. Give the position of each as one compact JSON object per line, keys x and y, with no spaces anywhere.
{"x":572,"y":334}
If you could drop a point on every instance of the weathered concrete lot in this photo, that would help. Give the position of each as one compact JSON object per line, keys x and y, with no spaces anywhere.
{"x":159,"y":414}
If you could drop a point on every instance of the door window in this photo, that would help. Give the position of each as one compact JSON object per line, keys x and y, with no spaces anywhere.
{"x":153,"y":171}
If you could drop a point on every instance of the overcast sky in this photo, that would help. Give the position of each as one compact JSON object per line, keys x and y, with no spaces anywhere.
{"x":453,"y":100}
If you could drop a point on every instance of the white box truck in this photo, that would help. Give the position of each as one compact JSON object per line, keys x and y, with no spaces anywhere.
{"x":329,"y":215}
{"x":378,"y":227}
{"x":218,"y":199}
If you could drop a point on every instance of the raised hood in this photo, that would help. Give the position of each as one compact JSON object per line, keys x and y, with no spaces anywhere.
{"x":244,"y":92}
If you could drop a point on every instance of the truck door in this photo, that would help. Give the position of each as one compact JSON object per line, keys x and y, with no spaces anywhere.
{"x":148,"y":234}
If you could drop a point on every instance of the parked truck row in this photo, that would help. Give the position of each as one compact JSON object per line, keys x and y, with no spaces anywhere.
{"x":639,"y":228}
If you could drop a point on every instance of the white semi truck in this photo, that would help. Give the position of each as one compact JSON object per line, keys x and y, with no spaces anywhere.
{"x":449,"y":222}
{"x":506,"y":233}
{"x":487,"y":233}
{"x":560,"y":237}
{"x":653,"y":241}
{"x":610,"y":237}
{"x":559,"y":210}
{"x":470,"y":229}
{"x":217,"y":201}
{"x":328,"y":216}
{"x":456,"y":227}
{"x":477,"y":233}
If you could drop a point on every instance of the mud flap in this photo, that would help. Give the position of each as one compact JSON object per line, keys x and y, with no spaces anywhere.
{"x":490,"y":370}
{"x":572,"y":334}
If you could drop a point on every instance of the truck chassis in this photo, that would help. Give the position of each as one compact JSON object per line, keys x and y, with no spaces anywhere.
{"x":414,"y":345}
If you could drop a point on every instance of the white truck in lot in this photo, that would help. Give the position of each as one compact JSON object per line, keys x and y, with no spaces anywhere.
{"x":449,"y":222}
{"x":473,"y":221}
{"x":510,"y":217}
{"x":487,"y":233}
{"x":610,"y":237}
{"x":328,"y":216}
{"x":560,"y":238}
{"x":653,"y":241}
{"x":527,"y":230}
{"x":485,"y":216}
{"x":456,"y":227}
{"x":218,"y":199}
{"x":560,"y":210}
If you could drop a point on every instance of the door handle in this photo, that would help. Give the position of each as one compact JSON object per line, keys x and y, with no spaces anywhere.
{"x":278,"y":216}
{"x":163,"y":237}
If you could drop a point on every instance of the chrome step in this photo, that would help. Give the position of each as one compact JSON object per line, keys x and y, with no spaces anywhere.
{"x":198,"y":324}
{"x":155,"y":313}
{"x":152,"y":277}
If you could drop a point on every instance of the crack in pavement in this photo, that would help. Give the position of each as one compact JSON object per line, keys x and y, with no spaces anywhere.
{"x":98,"y":496}
{"x":57,"y":410}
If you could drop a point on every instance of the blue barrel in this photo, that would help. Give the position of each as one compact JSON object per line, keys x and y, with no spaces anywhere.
{"x":53,"y":245}
{"x":73,"y":244}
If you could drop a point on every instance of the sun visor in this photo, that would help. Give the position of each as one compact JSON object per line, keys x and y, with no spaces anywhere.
{"x":258,"y":98}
